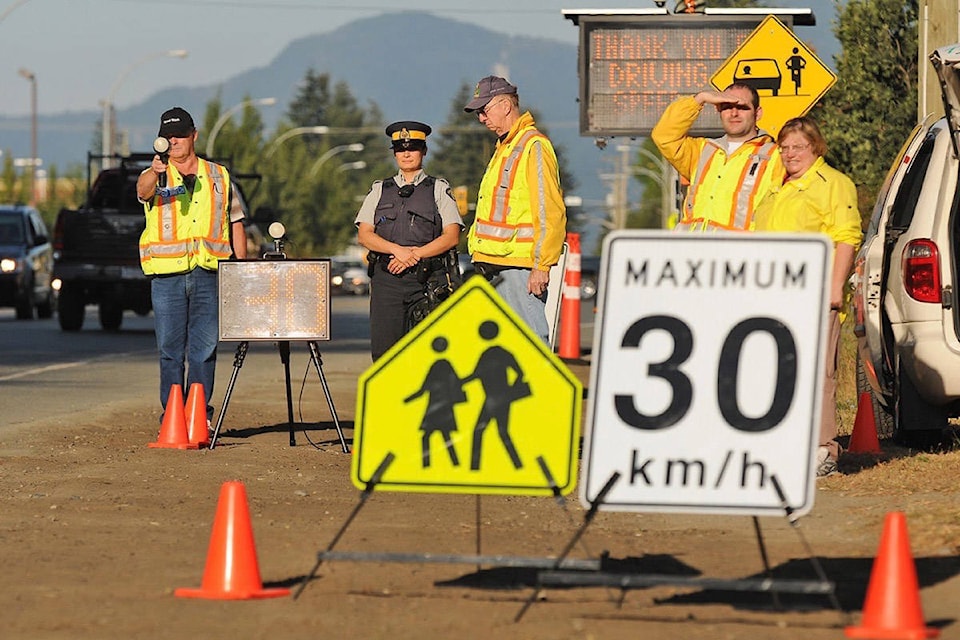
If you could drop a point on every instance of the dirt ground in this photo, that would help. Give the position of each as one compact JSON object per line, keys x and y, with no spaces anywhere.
{"x":98,"y":530}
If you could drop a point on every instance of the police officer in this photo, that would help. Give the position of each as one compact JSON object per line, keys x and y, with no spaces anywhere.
{"x":408,"y":219}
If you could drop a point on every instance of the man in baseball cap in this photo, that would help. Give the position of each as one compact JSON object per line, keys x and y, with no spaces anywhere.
{"x":518,"y":232}
{"x":486,"y":90}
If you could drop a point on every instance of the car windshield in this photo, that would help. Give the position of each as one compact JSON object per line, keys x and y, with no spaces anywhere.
{"x":11,"y":230}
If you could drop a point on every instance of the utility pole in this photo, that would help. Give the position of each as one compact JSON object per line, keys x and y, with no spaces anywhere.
{"x":32,"y":78}
{"x":938,"y":25}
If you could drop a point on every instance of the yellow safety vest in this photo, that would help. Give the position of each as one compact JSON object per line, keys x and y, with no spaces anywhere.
{"x":506,"y":229}
{"x":187,"y":230}
{"x":723,"y":189}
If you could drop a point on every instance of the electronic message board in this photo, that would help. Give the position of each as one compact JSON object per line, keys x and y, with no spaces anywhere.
{"x":633,"y":66}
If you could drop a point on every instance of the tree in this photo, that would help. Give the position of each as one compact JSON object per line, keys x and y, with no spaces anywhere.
{"x":461,"y":151}
{"x":869,"y":113}
{"x":317,"y":201}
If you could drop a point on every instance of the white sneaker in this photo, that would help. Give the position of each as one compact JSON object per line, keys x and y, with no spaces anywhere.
{"x":826,"y":464}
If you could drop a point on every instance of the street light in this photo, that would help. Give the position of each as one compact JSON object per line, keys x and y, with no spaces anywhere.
{"x":315,"y":169}
{"x":359,"y":164}
{"x":298,"y":131}
{"x":10,"y":9}
{"x":107,"y":145}
{"x":266,"y":102}
{"x":31,"y":76}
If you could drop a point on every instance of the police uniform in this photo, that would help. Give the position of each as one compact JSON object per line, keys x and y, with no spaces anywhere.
{"x":411,"y":214}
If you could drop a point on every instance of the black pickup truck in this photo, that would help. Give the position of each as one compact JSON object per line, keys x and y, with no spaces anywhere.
{"x":96,"y":247}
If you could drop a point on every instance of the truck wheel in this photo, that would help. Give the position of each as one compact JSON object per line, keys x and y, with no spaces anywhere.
{"x":882,"y":416}
{"x":70,"y":308}
{"x":25,"y":308}
{"x":45,"y":308}
{"x":111,"y":315}
{"x":917,"y":423}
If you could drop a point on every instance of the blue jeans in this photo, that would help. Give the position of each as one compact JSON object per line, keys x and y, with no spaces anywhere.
{"x":532,"y":309}
{"x":185,"y":310}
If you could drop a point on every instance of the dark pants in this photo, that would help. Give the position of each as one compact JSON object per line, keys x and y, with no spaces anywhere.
{"x":387,"y":293}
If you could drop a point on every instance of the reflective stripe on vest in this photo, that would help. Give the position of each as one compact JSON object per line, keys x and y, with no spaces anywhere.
{"x":497,"y":227}
{"x":741,"y":211}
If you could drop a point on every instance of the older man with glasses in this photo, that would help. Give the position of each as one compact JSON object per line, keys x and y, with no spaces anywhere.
{"x":520,"y":223}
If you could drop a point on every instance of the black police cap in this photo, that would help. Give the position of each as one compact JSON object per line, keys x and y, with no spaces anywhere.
{"x":408,"y":134}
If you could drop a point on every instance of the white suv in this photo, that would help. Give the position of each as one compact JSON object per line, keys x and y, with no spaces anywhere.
{"x":904,"y":306}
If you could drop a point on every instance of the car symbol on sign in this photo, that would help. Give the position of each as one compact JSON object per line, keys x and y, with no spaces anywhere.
{"x":759,"y":73}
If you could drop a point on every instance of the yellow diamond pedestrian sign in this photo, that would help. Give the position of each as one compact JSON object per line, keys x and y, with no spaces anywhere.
{"x":789,"y":77}
{"x":470,"y":401}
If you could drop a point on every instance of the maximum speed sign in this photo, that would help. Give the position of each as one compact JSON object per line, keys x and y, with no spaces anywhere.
{"x":707,"y":372}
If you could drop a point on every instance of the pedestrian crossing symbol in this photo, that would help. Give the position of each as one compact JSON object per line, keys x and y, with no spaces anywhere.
{"x":789,"y":77}
{"x":470,"y":401}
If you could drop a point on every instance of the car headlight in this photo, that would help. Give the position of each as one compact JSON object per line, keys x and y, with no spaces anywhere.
{"x":9,"y":265}
{"x":336,"y":281}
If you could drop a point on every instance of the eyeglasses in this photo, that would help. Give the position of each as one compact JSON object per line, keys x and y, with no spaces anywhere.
{"x":794,"y":148}
{"x":483,"y":111}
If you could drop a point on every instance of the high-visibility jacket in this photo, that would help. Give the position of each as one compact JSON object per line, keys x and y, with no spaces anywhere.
{"x":724,"y":189}
{"x":822,"y":200}
{"x":520,"y":218}
{"x":187,"y":229}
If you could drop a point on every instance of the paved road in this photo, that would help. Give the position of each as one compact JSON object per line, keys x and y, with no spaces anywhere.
{"x":47,"y":373}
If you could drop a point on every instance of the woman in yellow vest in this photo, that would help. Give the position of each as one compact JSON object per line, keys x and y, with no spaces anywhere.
{"x":816,"y":198}
{"x":190,"y":227}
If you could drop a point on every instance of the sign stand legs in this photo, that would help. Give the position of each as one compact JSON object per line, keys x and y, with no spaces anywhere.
{"x":374,"y":481}
{"x":821,"y":586}
{"x":318,"y":363}
{"x":238,"y":358}
{"x":284,"y":348}
{"x":497,"y":560}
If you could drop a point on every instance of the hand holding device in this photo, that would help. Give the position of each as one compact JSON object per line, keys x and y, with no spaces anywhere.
{"x":162,"y":147}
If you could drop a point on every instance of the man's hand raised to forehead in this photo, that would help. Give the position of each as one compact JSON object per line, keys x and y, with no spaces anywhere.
{"x":721,"y":97}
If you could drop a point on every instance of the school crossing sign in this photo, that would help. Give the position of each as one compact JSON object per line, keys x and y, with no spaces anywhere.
{"x":789,"y":77}
{"x":470,"y":401}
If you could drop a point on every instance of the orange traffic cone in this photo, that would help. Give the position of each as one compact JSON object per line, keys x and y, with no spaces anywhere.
{"x":892,"y":608}
{"x":864,"y":436}
{"x":197,"y":415}
{"x":173,"y":431}
{"x":231,"y":572}
{"x":569,"y":344}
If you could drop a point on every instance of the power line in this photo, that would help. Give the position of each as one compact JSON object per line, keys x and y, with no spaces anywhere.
{"x":313,"y":6}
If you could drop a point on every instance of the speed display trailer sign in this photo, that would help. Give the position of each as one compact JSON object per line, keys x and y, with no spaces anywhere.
{"x":707,"y":372}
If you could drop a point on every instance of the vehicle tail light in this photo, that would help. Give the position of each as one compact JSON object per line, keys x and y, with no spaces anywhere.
{"x":921,"y":271}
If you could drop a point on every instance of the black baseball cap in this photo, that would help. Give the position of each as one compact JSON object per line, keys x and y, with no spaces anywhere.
{"x":177,"y":123}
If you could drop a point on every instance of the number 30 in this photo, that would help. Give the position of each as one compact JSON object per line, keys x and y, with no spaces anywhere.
{"x":727,"y":370}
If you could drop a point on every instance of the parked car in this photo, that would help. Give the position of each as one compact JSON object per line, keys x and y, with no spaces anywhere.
{"x":26,"y":262}
{"x":349,"y":275}
{"x":904,"y":306}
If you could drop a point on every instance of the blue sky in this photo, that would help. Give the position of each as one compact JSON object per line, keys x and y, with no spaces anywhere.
{"x":81,"y":51}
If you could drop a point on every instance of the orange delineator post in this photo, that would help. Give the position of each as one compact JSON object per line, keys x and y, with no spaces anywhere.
{"x":569,"y":343}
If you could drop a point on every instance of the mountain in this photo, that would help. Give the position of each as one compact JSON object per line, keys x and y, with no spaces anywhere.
{"x":411,"y":64}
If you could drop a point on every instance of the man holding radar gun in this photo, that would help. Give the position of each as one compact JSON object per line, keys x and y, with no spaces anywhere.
{"x":191,"y":224}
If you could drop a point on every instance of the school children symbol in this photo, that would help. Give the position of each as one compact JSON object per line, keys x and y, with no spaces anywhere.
{"x":470,"y":401}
